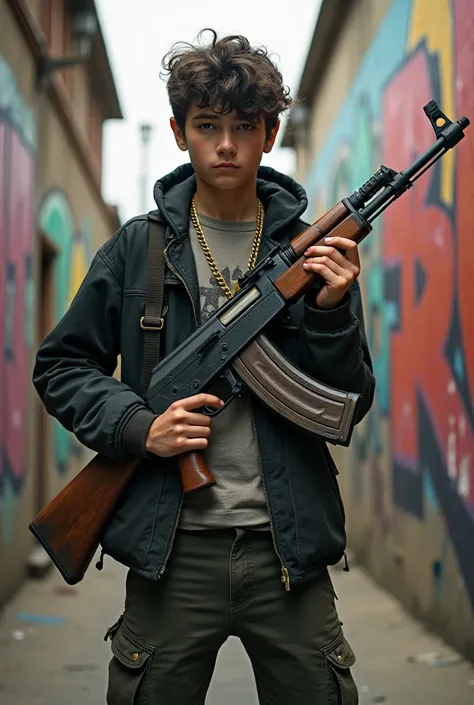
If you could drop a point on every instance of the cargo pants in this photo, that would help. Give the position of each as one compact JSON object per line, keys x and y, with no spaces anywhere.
{"x":217,"y":584}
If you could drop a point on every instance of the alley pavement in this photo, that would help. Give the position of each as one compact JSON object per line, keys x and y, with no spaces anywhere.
{"x":52,"y":650}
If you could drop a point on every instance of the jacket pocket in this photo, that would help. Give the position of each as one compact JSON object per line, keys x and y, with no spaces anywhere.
{"x":340,"y":658}
{"x":128,"y":668}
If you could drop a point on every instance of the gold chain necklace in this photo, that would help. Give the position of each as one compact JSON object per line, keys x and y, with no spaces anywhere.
{"x":208,"y":255}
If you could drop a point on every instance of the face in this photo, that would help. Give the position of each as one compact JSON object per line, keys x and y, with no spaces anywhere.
{"x":225,"y":151}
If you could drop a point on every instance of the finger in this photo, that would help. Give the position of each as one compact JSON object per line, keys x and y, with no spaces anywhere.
{"x":330,"y":277}
{"x":196,"y":419}
{"x":351,"y":248}
{"x":329,"y":254}
{"x":196,"y":431}
{"x":342,"y":243}
{"x":324,"y":251}
{"x":199,"y":400}
{"x":349,"y":255}
{"x":325,"y":262}
{"x":188,"y":444}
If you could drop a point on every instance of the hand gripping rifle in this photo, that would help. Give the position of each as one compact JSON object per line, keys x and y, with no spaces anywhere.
{"x":232,"y":346}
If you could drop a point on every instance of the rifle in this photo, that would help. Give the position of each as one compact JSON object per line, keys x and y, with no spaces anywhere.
{"x":231,"y":346}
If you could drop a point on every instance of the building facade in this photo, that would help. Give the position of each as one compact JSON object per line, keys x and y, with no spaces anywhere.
{"x":52,"y":219}
{"x":408,"y":476}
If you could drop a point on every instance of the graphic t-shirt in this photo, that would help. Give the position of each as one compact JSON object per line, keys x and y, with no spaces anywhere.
{"x":238,"y":499}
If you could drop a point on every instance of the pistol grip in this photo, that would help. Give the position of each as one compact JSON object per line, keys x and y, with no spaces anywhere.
{"x":195,"y":474}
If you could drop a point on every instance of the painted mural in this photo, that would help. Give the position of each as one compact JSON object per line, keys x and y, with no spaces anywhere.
{"x":17,"y":228}
{"x":18,"y":224}
{"x":417,"y":268}
{"x":74,"y":254}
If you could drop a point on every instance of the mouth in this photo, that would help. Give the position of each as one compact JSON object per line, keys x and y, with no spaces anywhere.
{"x":226,"y":166}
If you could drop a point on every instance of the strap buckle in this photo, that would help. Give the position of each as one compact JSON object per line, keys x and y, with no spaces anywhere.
{"x":147,"y":326}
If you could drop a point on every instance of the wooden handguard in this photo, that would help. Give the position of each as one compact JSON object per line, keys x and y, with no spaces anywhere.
{"x":296,"y":281}
{"x":321,"y":227}
{"x":303,"y":401}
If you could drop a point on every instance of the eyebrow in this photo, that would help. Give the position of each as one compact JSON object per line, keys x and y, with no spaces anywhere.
{"x":217,"y":116}
{"x":206,"y":116}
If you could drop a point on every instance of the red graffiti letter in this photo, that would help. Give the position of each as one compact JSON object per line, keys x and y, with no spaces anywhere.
{"x":417,"y":239}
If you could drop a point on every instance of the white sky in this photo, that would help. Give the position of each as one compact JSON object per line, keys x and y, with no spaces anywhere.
{"x":138,"y":33}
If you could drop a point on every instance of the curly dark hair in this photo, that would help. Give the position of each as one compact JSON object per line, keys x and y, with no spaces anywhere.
{"x":227,"y":74}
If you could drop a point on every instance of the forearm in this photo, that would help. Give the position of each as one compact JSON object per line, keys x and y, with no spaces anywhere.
{"x":103,"y":413}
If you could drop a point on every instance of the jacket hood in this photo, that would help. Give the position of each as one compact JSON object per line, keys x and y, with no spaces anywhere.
{"x":283,"y":199}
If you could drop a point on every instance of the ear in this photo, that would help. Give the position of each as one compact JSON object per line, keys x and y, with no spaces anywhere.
{"x":271,"y":139}
{"x":178,"y":135}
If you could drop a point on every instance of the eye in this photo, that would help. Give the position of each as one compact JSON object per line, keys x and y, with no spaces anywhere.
{"x":206,"y":126}
{"x":247,"y":127}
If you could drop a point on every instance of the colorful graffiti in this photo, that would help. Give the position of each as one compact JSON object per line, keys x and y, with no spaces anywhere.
{"x":74,"y":254}
{"x":417,"y":266}
{"x":17,"y":240}
{"x":17,"y":155}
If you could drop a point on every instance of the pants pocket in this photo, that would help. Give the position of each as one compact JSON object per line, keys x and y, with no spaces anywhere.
{"x":128,"y":668}
{"x":341,"y":686}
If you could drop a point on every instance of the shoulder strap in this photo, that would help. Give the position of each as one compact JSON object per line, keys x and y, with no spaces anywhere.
{"x":152,"y":322}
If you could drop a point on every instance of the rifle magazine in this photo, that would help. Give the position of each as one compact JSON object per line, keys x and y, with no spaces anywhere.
{"x":314,"y":407}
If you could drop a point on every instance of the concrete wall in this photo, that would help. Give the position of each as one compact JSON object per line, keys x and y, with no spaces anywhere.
{"x":408,"y":477}
{"x":51,"y":222}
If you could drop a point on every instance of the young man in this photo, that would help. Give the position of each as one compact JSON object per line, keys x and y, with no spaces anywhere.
{"x":249,"y":556}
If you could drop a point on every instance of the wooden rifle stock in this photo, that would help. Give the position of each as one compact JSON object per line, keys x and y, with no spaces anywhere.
{"x":291,"y":285}
{"x":70,"y":527}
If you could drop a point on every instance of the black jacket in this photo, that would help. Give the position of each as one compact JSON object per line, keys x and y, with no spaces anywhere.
{"x":76,"y":361}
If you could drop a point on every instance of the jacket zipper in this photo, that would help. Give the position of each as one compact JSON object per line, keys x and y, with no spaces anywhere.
{"x":175,"y":528}
{"x":285,"y":578}
{"x":178,"y":514}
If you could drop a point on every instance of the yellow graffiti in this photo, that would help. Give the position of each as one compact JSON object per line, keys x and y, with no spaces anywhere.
{"x":432,"y":20}
{"x":79,"y":265}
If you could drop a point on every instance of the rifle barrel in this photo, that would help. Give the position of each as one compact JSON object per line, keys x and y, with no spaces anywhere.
{"x":403,"y":180}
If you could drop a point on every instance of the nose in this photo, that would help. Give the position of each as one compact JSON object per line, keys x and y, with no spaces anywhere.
{"x":226,"y":144}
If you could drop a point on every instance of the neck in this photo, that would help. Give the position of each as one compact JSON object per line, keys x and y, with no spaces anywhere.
{"x":235,"y":205}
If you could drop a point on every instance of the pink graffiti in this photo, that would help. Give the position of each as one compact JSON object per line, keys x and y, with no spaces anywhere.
{"x":16,"y":247}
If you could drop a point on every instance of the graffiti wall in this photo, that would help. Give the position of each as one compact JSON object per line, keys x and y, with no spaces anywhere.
{"x":17,"y":158}
{"x":417,"y":271}
{"x":19,"y":221}
{"x":74,"y":254}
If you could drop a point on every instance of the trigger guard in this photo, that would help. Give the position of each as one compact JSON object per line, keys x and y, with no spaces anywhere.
{"x":211,"y":412}
{"x":236,"y":387}
{"x":208,"y":411}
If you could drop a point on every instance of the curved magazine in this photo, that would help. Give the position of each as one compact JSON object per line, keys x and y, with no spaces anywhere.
{"x":308,"y":404}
